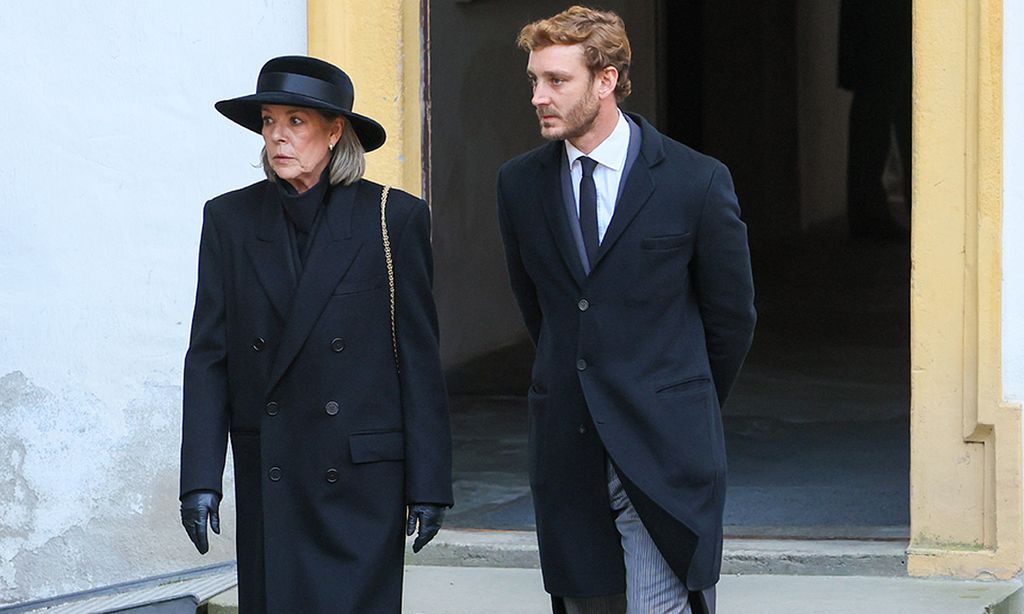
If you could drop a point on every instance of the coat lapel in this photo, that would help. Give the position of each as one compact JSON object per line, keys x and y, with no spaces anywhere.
{"x":549,"y":189}
{"x":638,"y":190}
{"x":330,"y":255}
{"x":271,"y":253}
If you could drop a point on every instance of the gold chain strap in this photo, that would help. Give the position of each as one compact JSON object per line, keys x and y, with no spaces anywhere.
{"x":391,"y":268}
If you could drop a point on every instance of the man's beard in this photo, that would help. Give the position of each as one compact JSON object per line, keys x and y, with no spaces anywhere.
{"x":578,"y":120}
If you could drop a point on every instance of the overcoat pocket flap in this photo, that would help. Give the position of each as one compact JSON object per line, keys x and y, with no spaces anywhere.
{"x":372,"y":447}
{"x":355,"y":286}
{"x":666,"y":241}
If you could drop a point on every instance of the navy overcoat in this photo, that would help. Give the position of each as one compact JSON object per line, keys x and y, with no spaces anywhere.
{"x":329,"y":440}
{"x":633,"y":360}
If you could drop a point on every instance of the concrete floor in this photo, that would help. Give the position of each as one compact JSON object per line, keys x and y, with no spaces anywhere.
{"x":817,"y":426}
{"x":471,"y":590}
{"x":447,"y":590}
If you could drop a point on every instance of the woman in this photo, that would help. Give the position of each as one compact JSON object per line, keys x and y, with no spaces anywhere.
{"x":336,"y":428}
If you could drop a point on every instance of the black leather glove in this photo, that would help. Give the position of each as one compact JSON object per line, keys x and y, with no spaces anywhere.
{"x":430,"y":517}
{"x":196,"y":507}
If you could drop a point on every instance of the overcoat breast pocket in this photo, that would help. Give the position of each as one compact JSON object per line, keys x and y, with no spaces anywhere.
{"x":666,"y":242}
{"x":356,"y":286}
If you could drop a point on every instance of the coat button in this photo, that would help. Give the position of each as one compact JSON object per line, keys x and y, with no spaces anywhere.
{"x":584,"y":304}
{"x":258,"y":343}
{"x":274,"y":474}
{"x":582,"y":429}
{"x":331,"y":475}
{"x":581,"y":365}
{"x":338,"y":344}
{"x":273,"y":408}
{"x":331,"y":408}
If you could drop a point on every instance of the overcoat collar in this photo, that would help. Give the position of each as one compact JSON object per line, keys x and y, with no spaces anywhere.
{"x":300,"y":302}
{"x":637,"y":191}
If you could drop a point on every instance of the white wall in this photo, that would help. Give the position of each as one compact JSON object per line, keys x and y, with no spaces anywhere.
{"x":1013,"y":201}
{"x":110,"y":147}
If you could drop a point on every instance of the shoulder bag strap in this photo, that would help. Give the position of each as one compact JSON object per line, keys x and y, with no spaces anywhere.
{"x":391,"y":267}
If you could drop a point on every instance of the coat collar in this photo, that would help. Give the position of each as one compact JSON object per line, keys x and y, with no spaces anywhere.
{"x":549,"y":191}
{"x":330,"y":255}
{"x":299,"y":302}
{"x":638,"y":188}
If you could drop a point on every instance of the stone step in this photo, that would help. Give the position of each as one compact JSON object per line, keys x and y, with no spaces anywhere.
{"x":467,"y":548}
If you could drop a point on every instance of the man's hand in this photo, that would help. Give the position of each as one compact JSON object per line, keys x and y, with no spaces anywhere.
{"x":430,"y":517}
{"x":196,"y":507}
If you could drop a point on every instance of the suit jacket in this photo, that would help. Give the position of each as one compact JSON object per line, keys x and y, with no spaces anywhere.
{"x":329,"y":441}
{"x":634,"y":359}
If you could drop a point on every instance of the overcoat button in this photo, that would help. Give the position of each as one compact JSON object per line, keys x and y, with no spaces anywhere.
{"x":273,"y":408}
{"x":332,"y":475}
{"x":331,"y":408}
{"x":338,"y":344}
{"x":258,"y":343}
{"x":581,"y":365}
{"x":584,"y":304}
{"x":274,"y":474}
{"x":582,"y":429}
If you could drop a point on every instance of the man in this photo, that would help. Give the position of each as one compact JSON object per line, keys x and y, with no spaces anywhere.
{"x":630,"y":265}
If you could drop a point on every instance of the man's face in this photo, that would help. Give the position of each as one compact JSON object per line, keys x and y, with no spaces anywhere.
{"x":564,"y":91}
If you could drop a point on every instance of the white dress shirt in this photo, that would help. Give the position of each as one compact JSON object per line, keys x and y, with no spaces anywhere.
{"x":610,"y":156}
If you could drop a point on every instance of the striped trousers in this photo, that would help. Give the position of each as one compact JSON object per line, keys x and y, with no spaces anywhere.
{"x":651,"y":585}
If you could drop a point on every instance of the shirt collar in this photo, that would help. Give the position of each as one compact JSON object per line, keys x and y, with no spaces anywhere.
{"x":611,"y":152}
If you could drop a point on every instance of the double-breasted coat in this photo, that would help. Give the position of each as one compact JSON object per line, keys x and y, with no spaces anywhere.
{"x":330,"y":441}
{"x":634,"y":359}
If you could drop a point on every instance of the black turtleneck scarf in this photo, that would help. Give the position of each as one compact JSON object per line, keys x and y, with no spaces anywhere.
{"x":303,"y":211}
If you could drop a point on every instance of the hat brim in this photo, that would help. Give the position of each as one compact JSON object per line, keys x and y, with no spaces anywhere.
{"x":245,"y":111}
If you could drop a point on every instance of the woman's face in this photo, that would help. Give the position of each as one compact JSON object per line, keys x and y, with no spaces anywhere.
{"x":298,"y":141}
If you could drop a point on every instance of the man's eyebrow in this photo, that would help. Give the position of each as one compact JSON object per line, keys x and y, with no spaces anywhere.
{"x":553,"y":73}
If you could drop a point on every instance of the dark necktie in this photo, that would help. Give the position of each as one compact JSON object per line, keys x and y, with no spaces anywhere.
{"x":588,"y":208}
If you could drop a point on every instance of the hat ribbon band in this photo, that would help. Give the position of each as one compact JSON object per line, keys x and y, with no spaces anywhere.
{"x":292,"y":83}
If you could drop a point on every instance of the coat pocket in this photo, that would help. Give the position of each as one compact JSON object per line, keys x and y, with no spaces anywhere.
{"x":683,"y":385}
{"x":379,"y":446}
{"x":666,"y":241}
{"x":357,"y":286}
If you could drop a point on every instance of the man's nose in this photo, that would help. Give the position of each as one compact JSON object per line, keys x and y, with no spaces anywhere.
{"x":540,"y":96}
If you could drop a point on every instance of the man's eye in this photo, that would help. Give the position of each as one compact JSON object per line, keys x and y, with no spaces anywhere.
{"x":556,"y":82}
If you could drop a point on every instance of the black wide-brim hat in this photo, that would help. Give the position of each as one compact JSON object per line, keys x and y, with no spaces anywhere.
{"x":302,"y":81}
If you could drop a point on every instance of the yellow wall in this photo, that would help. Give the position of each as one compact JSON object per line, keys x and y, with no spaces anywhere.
{"x":965,"y":442}
{"x":377,"y":42}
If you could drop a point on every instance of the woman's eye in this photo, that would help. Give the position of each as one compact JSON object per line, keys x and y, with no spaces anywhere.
{"x":267,"y":121}
{"x":296,"y":121}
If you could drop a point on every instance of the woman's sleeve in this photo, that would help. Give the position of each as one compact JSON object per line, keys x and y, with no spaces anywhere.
{"x":428,"y":443}
{"x":205,"y":413}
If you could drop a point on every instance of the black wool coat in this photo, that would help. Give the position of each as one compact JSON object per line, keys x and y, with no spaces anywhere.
{"x":633,"y":360}
{"x":330,"y":442}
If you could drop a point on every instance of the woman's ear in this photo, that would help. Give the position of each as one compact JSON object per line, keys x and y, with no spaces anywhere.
{"x":337,"y":129}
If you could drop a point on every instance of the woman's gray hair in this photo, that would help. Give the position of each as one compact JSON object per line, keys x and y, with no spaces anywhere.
{"x":348,"y":160}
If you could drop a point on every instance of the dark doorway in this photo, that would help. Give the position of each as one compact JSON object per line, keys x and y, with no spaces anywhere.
{"x":818,"y":424}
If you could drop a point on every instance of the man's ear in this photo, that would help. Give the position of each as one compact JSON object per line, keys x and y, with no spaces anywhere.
{"x":607,"y":79}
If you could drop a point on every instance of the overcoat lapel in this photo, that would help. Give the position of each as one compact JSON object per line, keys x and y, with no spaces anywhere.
{"x":271,"y":253}
{"x":549,"y":190}
{"x":330,"y":255}
{"x":638,"y":190}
